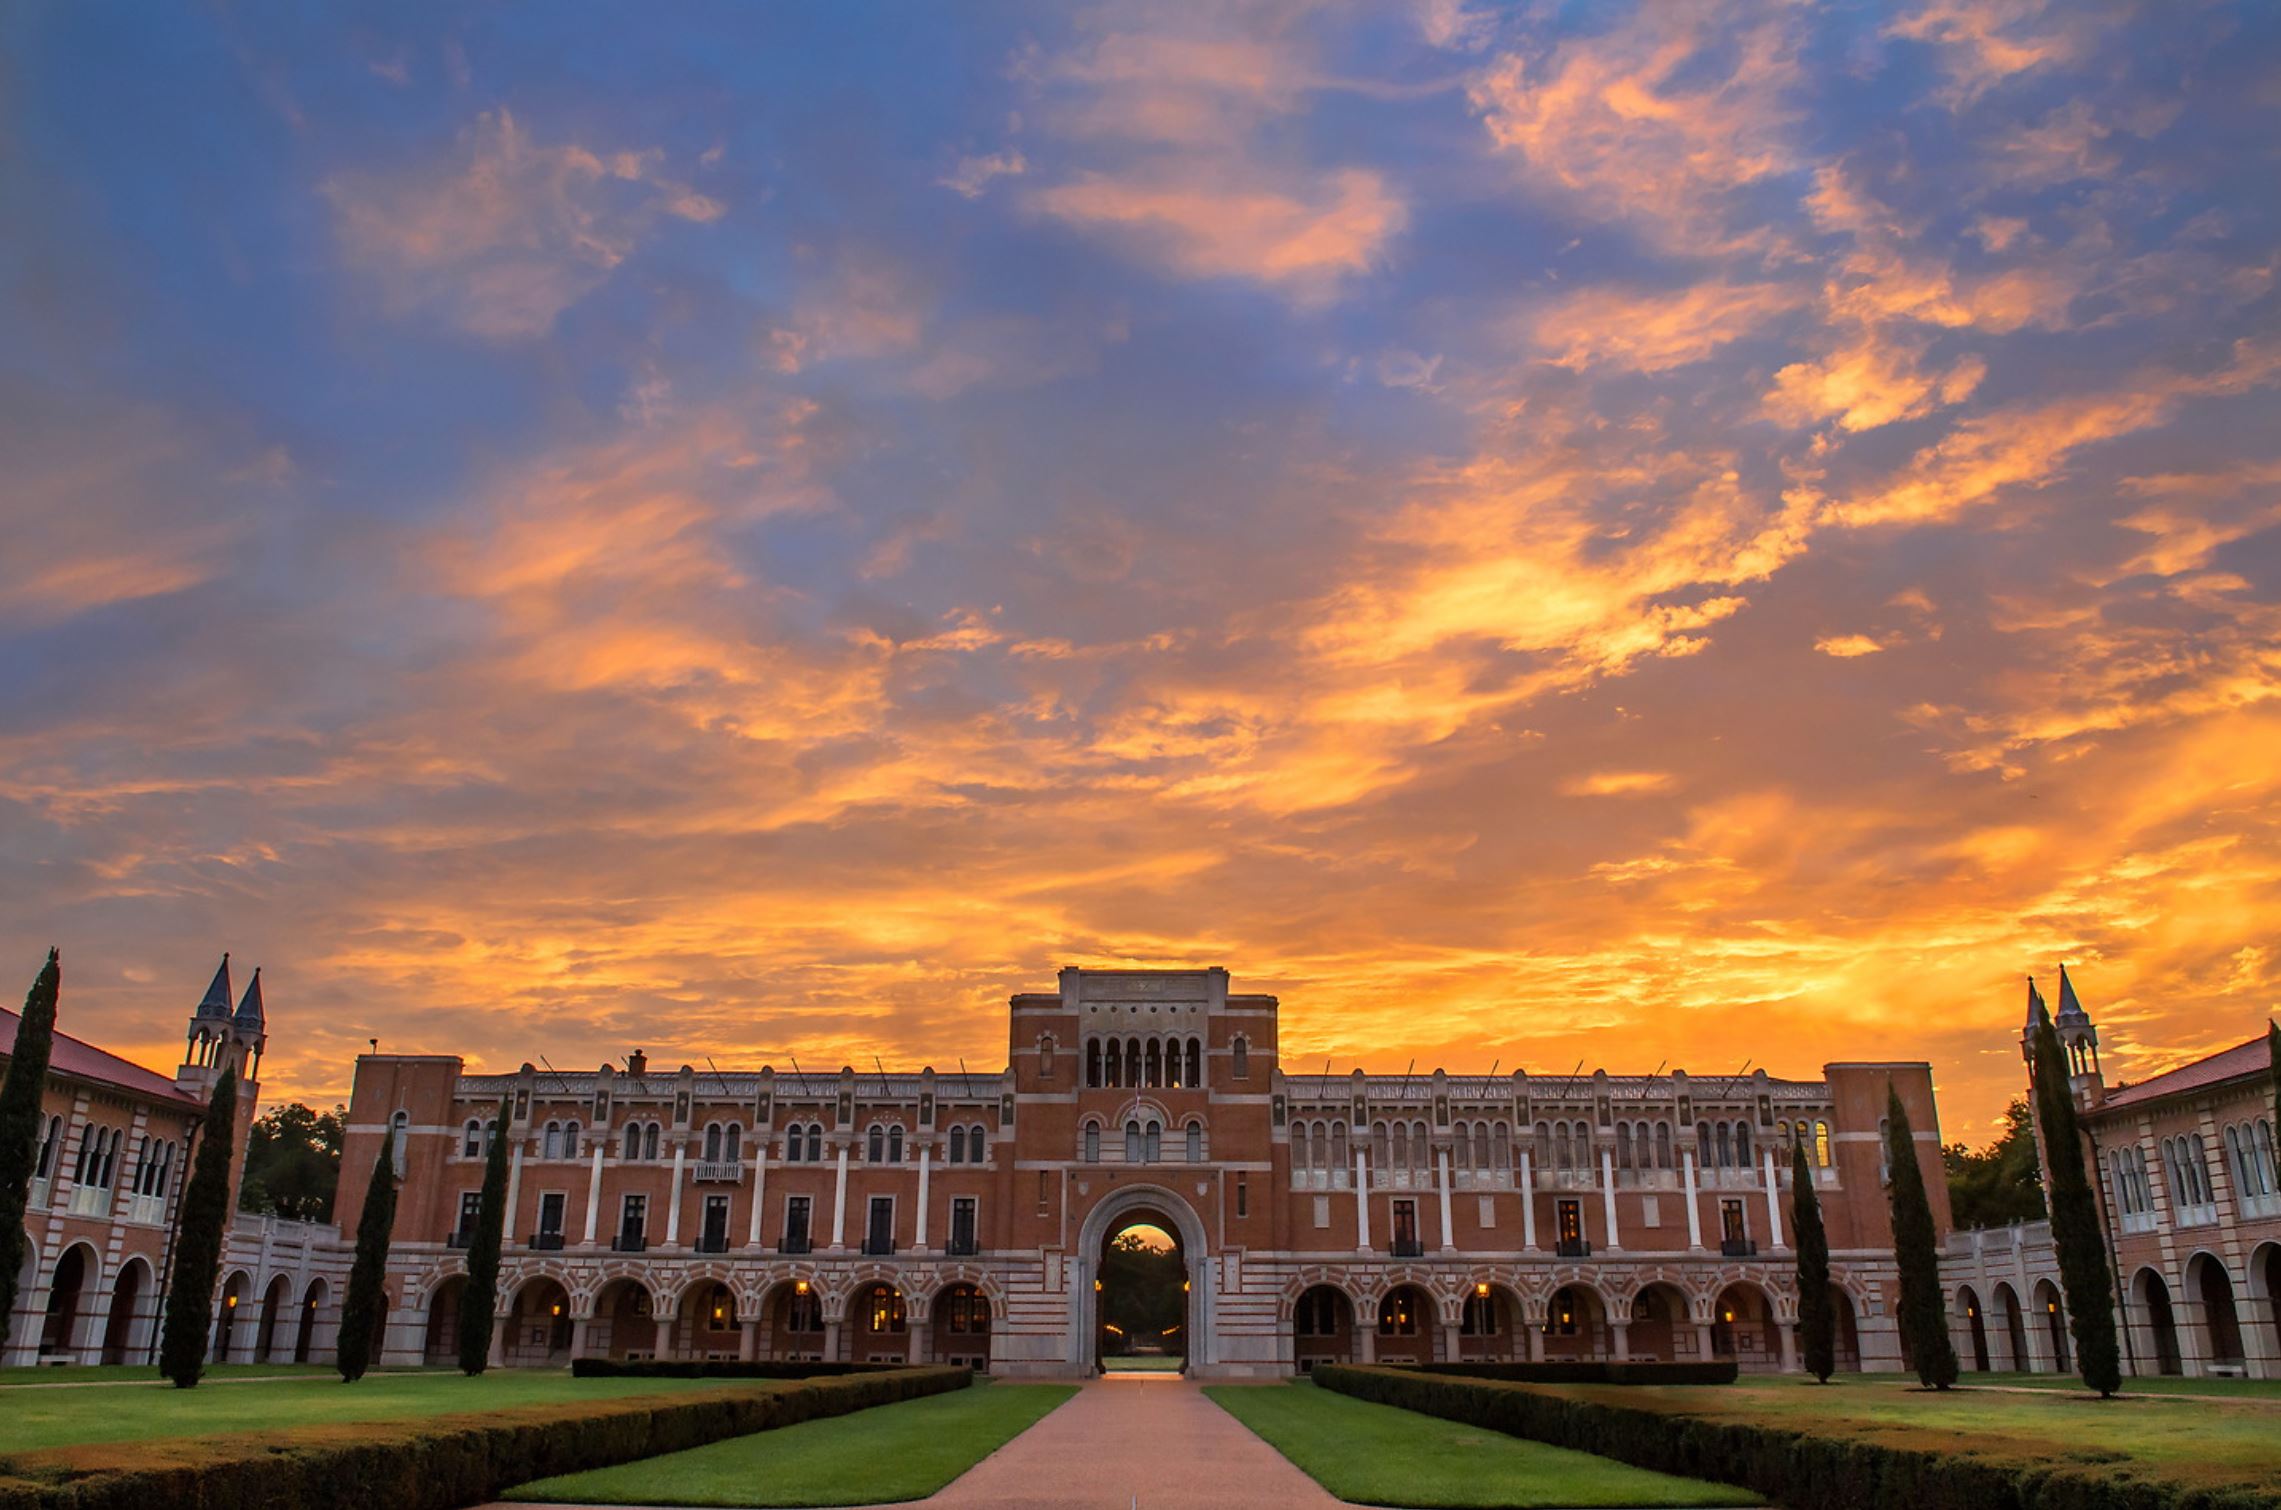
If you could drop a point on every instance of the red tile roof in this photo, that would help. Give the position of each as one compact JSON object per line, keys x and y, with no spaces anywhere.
{"x":84,"y":1061}
{"x":2251,"y":1058}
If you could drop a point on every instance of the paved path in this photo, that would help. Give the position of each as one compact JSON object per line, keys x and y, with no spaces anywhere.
{"x":1133,"y":1440}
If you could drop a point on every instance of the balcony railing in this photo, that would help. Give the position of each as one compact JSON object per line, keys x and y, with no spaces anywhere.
{"x":1738,"y":1247}
{"x":796,"y":1242}
{"x":545,"y":1242}
{"x":90,"y":1200}
{"x":629,"y":1242}
{"x":2256,"y":1207}
{"x":962,"y":1246}
{"x":717,"y":1171}
{"x":462,"y":1238}
{"x":147,"y":1209}
{"x":1573,"y":1247}
{"x":713,"y":1242}
{"x":1406,"y":1247}
{"x":38,"y":1198}
{"x":878,"y":1247}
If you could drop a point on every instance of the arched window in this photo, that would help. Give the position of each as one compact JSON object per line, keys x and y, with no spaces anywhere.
{"x":895,"y":1145}
{"x":732,"y":1141}
{"x":815,"y":1142}
{"x":1401,"y":1151}
{"x":1501,"y":1146}
{"x":1703,"y":1144}
{"x":1379,"y":1145}
{"x":1195,"y":1061}
{"x":1093,"y":1063}
{"x":1154,"y":1150}
{"x":649,"y":1140}
{"x":570,"y":1132}
{"x":1092,"y":1142}
{"x":875,"y":1145}
{"x":1623,"y":1145}
{"x":1152,"y":1064}
{"x":47,"y":1147}
{"x":1115,"y":1053}
{"x":1560,"y":1145}
{"x":958,"y":1145}
{"x":1726,"y":1146}
{"x":1822,"y":1144}
{"x":712,"y":1142}
{"x":399,"y":1130}
{"x":1045,"y":1056}
{"x":1242,"y":1058}
{"x":1195,"y":1142}
{"x":474,"y":1144}
{"x":883,"y":1310}
{"x":1663,"y":1145}
{"x":1132,"y":1061}
{"x":550,"y":1141}
{"x":1339,"y":1154}
{"x":1132,"y":1142}
{"x":1480,"y":1145}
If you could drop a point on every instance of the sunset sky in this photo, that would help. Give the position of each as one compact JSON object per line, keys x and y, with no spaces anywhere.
{"x":1711,"y":534}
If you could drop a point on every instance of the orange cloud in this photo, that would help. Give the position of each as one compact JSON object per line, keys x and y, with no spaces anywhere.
{"x":1654,"y":332}
{"x":1306,"y":244}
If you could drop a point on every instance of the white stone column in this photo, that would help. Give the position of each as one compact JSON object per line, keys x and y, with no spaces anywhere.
{"x":839,"y":1202}
{"x":514,"y":1188}
{"x":1361,"y":1201}
{"x":759,"y":1193}
{"x":579,"y":1326}
{"x":919,"y":1238}
{"x":673,"y":1196}
{"x":594,"y":1193}
{"x":1773,"y":1202}
{"x":1448,"y":1236}
{"x":1694,"y":1206}
{"x":1608,"y":1196}
{"x":1621,"y":1331}
{"x":1528,"y":1202}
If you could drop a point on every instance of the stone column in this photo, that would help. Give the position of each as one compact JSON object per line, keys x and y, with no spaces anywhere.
{"x":759,"y":1188}
{"x":1622,"y":1332}
{"x":673,"y":1196}
{"x":1703,"y":1340}
{"x":1608,"y":1196}
{"x":1694,"y":1206}
{"x":579,"y":1328}
{"x":594,"y":1191}
{"x":832,"y":1330}
{"x":514,"y":1188}
{"x":1536,"y":1341}
{"x":1788,"y":1335}
{"x":748,"y":1346}
{"x":839,"y":1204}
{"x":1528,"y":1202}
{"x":1448,"y":1238}
{"x":1773,"y":1202}
{"x":497,"y":1354}
{"x":2259,"y":1348}
{"x":1361,"y":1198}
{"x":919,"y":1236}
{"x":1366,"y":1340}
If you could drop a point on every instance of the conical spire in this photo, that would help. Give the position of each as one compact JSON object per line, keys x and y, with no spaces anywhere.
{"x":216,"y":1001}
{"x":2036,"y":1009}
{"x":2070,"y":1009}
{"x":249,"y":1008}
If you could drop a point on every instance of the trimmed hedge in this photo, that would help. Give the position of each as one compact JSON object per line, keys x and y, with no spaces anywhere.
{"x":1583,"y":1371}
{"x":1788,"y":1466}
{"x":610,"y":1368}
{"x":439,"y":1464}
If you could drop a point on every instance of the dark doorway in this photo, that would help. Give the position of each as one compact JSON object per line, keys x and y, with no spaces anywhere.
{"x":1143,"y":1301}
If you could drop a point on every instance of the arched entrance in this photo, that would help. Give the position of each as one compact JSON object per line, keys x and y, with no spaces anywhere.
{"x":1742,"y":1327}
{"x":2161,"y":1323}
{"x":1576,"y":1324}
{"x":1094,"y":1286}
{"x":624,"y":1325}
{"x":538,"y":1326}
{"x":123,"y":1333}
{"x":228,"y":1333}
{"x":275,"y":1304}
{"x":2213,"y":1287}
{"x":305,"y":1334}
{"x":1488,"y":1327}
{"x":1143,"y":1289}
{"x":710,"y":1326}
{"x":1322,"y":1327}
{"x":2013,"y":1328}
{"x":1975,"y":1325}
{"x":2054,"y":1318}
{"x":1659,"y":1321}
{"x":961,"y":1322}
{"x":443,"y":1321}
{"x":67,"y":1292}
{"x":795,"y":1322}
{"x":1847,"y":1332}
{"x":879,"y":1321}
{"x":2265,"y":1265}
{"x":1405,"y":1326}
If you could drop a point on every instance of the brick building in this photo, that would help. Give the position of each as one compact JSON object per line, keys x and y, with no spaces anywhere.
{"x":964,"y":1216}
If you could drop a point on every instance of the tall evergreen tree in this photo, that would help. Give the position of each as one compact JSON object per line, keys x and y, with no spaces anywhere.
{"x":479,"y":1302}
{"x":198,"y":1233}
{"x":365,"y":1303}
{"x":2075,"y":1229}
{"x":1923,"y":1315}
{"x":1817,"y":1309}
{"x":20,"y":1124}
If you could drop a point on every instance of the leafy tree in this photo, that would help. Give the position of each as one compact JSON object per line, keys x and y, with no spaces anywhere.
{"x":1817,"y":1312}
{"x":1923,"y":1315}
{"x":2000,"y":1184}
{"x":2075,"y":1226}
{"x":293,"y":1163}
{"x":1141,"y":1291}
{"x":20,"y":1124}
{"x":198,"y":1235}
{"x":479,"y":1302}
{"x":365,"y":1304}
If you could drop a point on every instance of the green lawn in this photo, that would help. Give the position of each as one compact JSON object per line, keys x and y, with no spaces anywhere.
{"x":139,"y":1411}
{"x":1378,"y":1455}
{"x":1144,"y":1363}
{"x":2238,"y":1389}
{"x":892,"y":1452}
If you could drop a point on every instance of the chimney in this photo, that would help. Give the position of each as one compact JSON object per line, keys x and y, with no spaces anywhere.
{"x":637,"y":1063}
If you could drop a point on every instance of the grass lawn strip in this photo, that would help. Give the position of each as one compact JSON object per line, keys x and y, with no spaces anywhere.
{"x":2266,"y":1390}
{"x":894,"y":1452}
{"x":134,"y":1412}
{"x":1378,"y":1455}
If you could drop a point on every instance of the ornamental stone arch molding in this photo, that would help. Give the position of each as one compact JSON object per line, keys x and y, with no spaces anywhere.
{"x":1583,"y":1279}
{"x":592,"y":1283}
{"x":850,"y":1283}
{"x":671,"y":1288}
{"x":1780,"y":1290}
{"x":1308,"y":1278}
{"x":420,"y":1285}
{"x":512,"y":1278}
{"x":1122,"y":1207}
{"x":968,"y":1274}
{"x":760,"y":1287}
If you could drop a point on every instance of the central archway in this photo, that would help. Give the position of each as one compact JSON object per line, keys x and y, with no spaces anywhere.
{"x":1140,"y":1206}
{"x":1143,"y":1312}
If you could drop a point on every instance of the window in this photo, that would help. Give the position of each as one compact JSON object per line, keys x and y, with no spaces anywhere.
{"x":1242,"y":1058}
{"x":1045,"y":1056}
{"x":732,"y":1141}
{"x":550,"y":1214}
{"x":1822,"y":1144}
{"x":879,"y":1228}
{"x":1152,"y":1142}
{"x":1398,"y":1314}
{"x":1093,"y":1063}
{"x":1731,"y":1228}
{"x":883,"y":1310}
{"x":633,"y":1218}
{"x":875,"y":1144}
{"x":962,"y":1225}
{"x":1092,"y":1142}
{"x":815,"y":1142}
{"x":713,"y":1236}
{"x":570,"y":1131}
{"x":966,"y":1312}
{"x":1132,"y":1143}
{"x":473,"y":1147}
{"x":399,"y":1130}
{"x":1243,"y":1196}
{"x":1568,"y":1221}
{"x":550,"y":1143}
{"x":804,"y":1312}
{"x":1195,"y":1061}
{"x":796,"y":1210}
{"x":470,"y":1212}
{"x":1742,"y":1145}
{"x":1663,"y":1145}
{"x":712,"y":1142}
{"x":47,"y":1147}
{"x":1480,"y":1315}
{"x":1318,"y":1313}
{"x":1195,"y":1142}
{"x":1406,"y":1227}
{"x":895,"y":1145}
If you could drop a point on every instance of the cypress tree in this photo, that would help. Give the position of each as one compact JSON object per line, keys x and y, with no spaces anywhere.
{"x":198,"y":1236}
{"x":20,"y":1124}
{"x":364,"y":1305}
{"x":479,"y":1302}
{"x":2075,"y":1232}
{"x":1817,"y":1312}
{"x":1923,"y":1315}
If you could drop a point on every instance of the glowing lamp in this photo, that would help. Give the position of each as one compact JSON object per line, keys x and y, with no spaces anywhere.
{"x":1482,"y":1289}
{"x":231,"y":1302}
{"x":555,"y":1309}
{"x":801,"y":1288}
{"x":1729,"y":1314}
{"x":1185,"y":1286}
{"x":1096,"y":1287}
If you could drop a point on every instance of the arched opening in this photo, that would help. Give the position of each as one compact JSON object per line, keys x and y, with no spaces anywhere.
{"x":1576,"y":1324}
{"x":2053,"y":1318}
{"x":1742,"y":1327}
{"x":2161,"y":1323}
{"x":1846,"y":1331}
{"x":67,"y":1292}
{"x":2265,"y":1266}
{"x":442,"y":1343}
{"x":123,"y":1332}
{"x":227,"y":1333}
{"x":961,"y":1322}
{"x":1405,"y":1326}
{"x":1976,"y":1326}
{"x":538,"y":1326}
{"x":305,"y":1335}
{"x":882,"y":1324}
{"x":1322,"y":1327}
{"x":2011,"y":1326}
{"x":2213,"y":1287}
{"x":1142,"y":1289}
{"x":1659,"y":1322}
{"x":710,"y":1327}
{"x":276,"y":1302}
{"x":795,"y":1314}
{"x":625,"y":1322}
{"x":1488,"y":1325}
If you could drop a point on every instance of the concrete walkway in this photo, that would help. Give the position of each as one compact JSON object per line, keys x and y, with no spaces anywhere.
{"x":1151,"y":1441}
